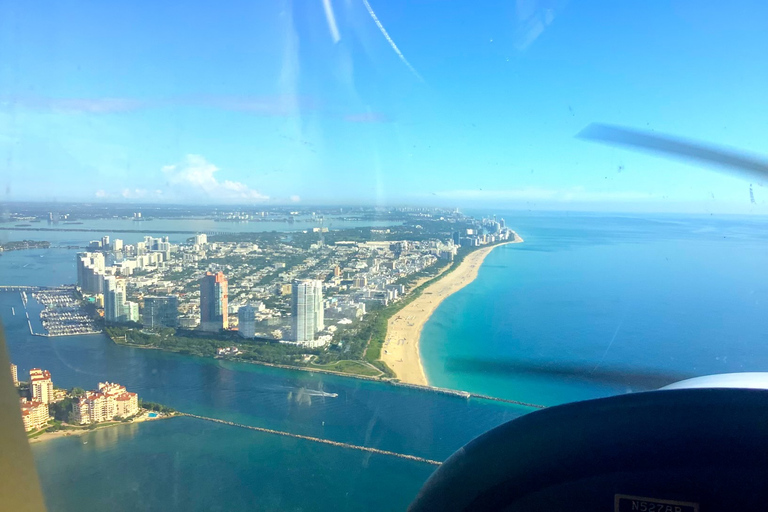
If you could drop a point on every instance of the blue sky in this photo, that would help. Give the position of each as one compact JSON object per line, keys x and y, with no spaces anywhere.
{"x":366,"y":101}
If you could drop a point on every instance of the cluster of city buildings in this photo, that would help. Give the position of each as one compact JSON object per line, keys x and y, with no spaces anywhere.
{"x":104,"y":270}
{"x":109,"y":402}
{"x":282,"y":291}
{"x":34,"y":407}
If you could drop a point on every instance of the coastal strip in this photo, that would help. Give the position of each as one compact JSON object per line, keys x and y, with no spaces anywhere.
{"x":401,"y":348}
{"x":317,"y":440}
{"x":46,"y":435}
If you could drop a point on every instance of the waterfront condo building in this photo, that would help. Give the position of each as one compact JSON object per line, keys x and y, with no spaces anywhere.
{"x":161,"y":311}
{"x":15,"y":374}
{"x":110,"y":401}
{"x":213,"y":302}
{"x":246,"y":321}
{"x":307,"y":310}
{"x":40,"y":385}
{"x":34,"y":414}
{"x":90,"y":272}
{"x":116,"y":308}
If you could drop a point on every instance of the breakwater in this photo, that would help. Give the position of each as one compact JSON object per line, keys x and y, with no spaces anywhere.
{"x":317,"y":440}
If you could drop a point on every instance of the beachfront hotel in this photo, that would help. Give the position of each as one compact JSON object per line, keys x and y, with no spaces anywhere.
{"x":110,"y":401}
{"x":34,"y":414}
{"x":41,"y":386}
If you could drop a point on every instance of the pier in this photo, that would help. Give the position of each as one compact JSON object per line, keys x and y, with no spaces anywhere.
{"x":316,"y":440}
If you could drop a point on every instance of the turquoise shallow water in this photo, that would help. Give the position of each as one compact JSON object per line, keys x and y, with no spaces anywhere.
{"x":590,"y":306}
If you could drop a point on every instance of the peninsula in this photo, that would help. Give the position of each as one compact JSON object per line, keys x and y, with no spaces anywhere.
{"x":401,"y":348}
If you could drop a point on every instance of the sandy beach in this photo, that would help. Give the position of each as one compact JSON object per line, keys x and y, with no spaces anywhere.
{"x":401,"y":348}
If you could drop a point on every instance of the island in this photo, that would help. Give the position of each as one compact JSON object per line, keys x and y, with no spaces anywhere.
{"x":49,"y":412}
{"x":21,"y":245}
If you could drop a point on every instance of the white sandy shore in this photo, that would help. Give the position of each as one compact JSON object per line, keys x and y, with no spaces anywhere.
{"x":401,"y":348}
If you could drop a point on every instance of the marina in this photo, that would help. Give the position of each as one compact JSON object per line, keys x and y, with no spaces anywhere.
{"x":62,"y":314}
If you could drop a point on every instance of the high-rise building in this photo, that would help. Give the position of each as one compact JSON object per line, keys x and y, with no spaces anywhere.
{"x":213,"y":302}
{"x":41,"y":385}
{"x":201,"y":239}
{"x":246,"y":321}
{"x":113,"y":299}
{"x":34,"y":414}
{"x":15,"y":374}
{"x":90,"y":272}
{"x":116,"y":308}
{"x":110,"y":401}
{"x":105,"y":242}
{"x":131,"y":311}
{"x":307,"y":310}
{"x":161,"y":311}
{"x":117,"y":244}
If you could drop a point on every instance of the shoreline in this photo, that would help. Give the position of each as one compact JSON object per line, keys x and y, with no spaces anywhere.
{"x":46,"y":436}
{"x":401,"y":349}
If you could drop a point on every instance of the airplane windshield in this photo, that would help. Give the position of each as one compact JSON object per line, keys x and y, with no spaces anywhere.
{"x":292,"y":256}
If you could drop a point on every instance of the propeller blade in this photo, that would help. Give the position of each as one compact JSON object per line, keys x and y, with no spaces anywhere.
{"x":747,"y":165}
{"x":632,"y":377}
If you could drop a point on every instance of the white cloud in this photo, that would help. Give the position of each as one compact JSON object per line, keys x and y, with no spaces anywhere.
{"x":136,"y":193}
{"x":195,"y":177}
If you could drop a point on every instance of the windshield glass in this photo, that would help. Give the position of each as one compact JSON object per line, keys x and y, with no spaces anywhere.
{"x":291,"y":256}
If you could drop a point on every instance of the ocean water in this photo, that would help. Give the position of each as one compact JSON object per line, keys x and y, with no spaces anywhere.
{"x":590,"y":306}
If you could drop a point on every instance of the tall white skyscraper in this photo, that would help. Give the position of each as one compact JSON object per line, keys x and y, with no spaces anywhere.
{"x":307,"y":310}
{"x":112,"y":305}
{"x":90,"y":272}
{"x":116,"y":308}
